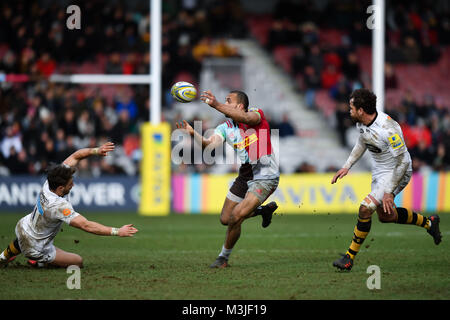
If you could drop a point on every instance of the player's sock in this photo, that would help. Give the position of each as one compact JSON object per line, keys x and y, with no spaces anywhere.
{"x":225,"y":252}
{"x":11,"y":250}
{"x":360,"y":233}
{"x":258,"y":211}
{"x":406,"y":216}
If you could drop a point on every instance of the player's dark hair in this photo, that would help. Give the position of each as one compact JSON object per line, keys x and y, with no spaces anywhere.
{"x":58,"y":175}
{"x":365,"y":99}
{"x":241,"y":98}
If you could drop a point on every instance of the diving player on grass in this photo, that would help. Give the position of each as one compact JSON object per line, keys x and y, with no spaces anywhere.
{"x":391,"y":173}
{"x":36,"y":231}
{"x":248,"y":132}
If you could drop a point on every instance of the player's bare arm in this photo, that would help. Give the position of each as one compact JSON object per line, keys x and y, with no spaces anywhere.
{"x":213,"y":141}
{"x":355,"y":155}
{"x":84,"y":224}
{"x":81,"y":154}
{"x":230,"y":110}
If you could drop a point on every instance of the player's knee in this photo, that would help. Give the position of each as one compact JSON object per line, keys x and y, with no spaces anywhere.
{"x":386,"y":219}
{"x":365,"y":212}
{"x":235,"y":218}
{"x":224,"y":221}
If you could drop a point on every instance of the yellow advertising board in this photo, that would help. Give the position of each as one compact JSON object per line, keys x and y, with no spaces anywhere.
{"x":155,"y":170}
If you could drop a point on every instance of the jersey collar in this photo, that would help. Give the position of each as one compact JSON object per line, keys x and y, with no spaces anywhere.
{"x":371,"y":122}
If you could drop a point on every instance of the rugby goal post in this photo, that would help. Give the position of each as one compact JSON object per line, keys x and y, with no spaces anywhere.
{"x":378,"y":53}
{"x":155,"y":136}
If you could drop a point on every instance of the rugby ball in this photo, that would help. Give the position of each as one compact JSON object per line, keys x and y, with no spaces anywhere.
{"x":183,"y":91}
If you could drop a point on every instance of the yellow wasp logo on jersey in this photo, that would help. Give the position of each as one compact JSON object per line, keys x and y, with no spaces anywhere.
{"x":395,"y":141}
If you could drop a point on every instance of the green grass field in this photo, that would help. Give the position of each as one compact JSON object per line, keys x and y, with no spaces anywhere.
{"x":292,"y":259}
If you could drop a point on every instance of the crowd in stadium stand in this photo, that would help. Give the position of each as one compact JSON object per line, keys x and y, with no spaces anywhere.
{"x":42,"y":121}
{"x":416,"y":34}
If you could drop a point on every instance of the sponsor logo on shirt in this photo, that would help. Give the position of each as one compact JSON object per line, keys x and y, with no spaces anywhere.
{"x":395,"y":141}
{"x":246,"y":142}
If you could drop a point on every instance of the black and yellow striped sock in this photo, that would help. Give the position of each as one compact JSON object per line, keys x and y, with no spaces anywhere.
{"x":360,"y":233}
{"x":407,"y":216}
{"x":12,"y":250}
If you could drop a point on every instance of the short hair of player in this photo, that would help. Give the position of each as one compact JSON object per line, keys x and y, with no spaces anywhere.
{"x":365,"y":99}
{"x":59,"y":175}
{"x":241,"y":98}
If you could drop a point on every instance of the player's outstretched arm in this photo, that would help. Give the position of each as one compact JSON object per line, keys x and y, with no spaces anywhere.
{"x":355,"y":155}
{"x":339,"y":175}
{"x":212,"y":141}
{"x":78,"y":155}
{"x":238,"y":115}
{"x":84,"y":224}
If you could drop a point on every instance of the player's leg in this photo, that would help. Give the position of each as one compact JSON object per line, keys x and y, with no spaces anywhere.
{"x":257,"y":193}
{"x":240,"y":212}
{"x":407,"y":216}
{"x":236,"y":194}
{"x":64,"y":259}
{"x":9,"y":254}
{"x":227,"y":208}
{"x":360,"y":232}
{"x":262,"y":189}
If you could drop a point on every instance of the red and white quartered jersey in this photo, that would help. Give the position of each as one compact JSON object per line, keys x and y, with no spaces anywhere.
{"x":252,"y":144}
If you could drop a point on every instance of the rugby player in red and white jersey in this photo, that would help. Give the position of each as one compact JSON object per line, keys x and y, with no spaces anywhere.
{"x":248,"y":132}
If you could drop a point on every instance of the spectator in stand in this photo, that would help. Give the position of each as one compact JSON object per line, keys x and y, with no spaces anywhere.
{"x":312,"y":83}
{"x":285,"y":127}
{"x":114,"y":65}
{"x":315,"y":58}
{"x":85,"y":125}
{"x":350,"y":67}
{"x":411,"y":50}
{"x":429,"y":53}
{"x":69,"y":123}
{"x":423,"y":111}
{"x":441,"y":161}
{"x":422,"y":155}
{"x":203,"y":49}
{"x":123,"y":127}
{"x":17,"y":162}
{"x":298,"y":61}
{"x":45,"y":65}
{"x":341,"y":91}
{"x":390,"y":78}
{"x":330,"y":76}
{"x":124,"y":101}
{"x":410,"y":105}
{"x":305,"y":167}
{"x":11,"y":140}
{"x":343,"y":122}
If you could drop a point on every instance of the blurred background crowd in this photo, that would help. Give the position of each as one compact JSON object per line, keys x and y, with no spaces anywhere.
{"x":42,"y":121}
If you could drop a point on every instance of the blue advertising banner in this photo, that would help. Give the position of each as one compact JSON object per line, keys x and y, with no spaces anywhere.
{"x":118,"y":193}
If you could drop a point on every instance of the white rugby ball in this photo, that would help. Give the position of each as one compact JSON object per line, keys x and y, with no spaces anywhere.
{"x":183,"y":91}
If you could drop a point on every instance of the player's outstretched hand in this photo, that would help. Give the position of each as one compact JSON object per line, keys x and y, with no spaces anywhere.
{"x":104,"y":149}
{"x":184,"y":125}
{"x":127,"y":230}
{"x":388,"y":203}
{"x":339,"y":175}
{"x":208,"y":98}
